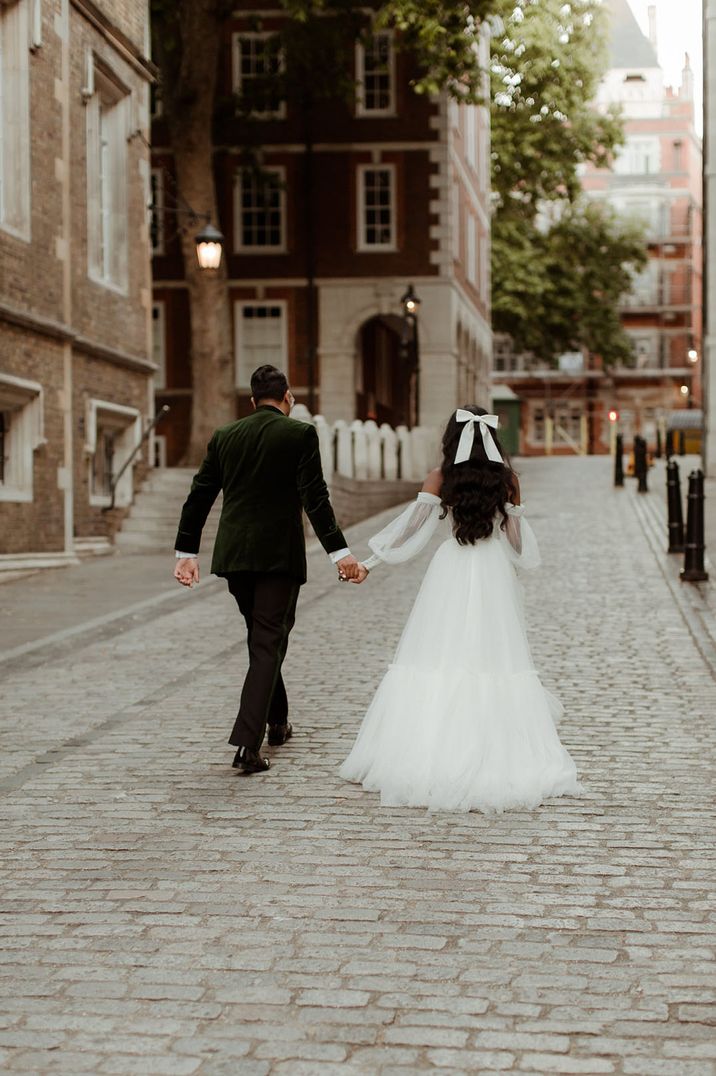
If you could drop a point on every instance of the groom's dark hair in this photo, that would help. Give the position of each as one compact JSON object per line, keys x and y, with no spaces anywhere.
{"x":268,"y":383}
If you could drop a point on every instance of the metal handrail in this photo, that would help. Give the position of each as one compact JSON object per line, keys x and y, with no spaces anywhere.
{"x":115,"y":478}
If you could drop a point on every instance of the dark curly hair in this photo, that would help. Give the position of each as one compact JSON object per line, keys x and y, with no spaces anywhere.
{"x":476,"y":490}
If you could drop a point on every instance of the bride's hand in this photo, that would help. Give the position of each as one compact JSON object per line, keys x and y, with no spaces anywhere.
{"x":363,"y":574}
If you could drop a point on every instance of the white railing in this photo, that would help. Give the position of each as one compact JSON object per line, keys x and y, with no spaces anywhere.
{"x":364,"y":450}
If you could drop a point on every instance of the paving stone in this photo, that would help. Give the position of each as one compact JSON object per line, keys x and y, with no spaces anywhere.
{"x":160,"y":913}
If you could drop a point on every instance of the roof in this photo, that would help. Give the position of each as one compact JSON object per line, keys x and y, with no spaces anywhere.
{"x":628,"y":46}
{"x":502,"y":393}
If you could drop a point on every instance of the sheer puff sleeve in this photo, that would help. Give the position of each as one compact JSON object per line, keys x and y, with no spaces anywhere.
{"x":407,"y":534}
{"x":518,"y":539}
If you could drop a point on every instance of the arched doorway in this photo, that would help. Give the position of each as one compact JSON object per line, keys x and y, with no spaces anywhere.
{"x":386,"y":372}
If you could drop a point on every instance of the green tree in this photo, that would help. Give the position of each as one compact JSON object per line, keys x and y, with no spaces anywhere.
{"x":557,"y":288}
{"x":559,"y":266}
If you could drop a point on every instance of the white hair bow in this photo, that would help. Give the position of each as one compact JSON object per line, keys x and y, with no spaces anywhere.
{"x":467,"y":437}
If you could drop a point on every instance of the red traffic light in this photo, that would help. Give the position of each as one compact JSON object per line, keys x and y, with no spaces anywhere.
{"x":613,"y":415}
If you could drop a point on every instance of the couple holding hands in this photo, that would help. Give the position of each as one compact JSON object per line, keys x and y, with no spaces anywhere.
{"x":460,"y":720}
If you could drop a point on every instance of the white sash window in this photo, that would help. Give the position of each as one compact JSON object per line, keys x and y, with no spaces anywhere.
{"x":376,"y":207}
{"x":15,"y":118}
{"x":261,"y":338}
{"x":107,"y":165}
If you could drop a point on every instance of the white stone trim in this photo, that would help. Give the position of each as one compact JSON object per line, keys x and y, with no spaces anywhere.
{"x":23,"y":401}
{"x":15,"y":168}
{"x":121,"y":417}
{"x":440,"y":205}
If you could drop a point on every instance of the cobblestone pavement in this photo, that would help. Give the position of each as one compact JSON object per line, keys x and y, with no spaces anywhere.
{"x":162,"y":914}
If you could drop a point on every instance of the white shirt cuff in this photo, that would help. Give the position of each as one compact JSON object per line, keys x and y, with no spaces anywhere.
{"x":339,"y":555}
{"x":181,"y":556}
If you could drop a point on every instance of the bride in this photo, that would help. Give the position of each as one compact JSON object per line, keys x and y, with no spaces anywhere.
{"x":461,"y":720}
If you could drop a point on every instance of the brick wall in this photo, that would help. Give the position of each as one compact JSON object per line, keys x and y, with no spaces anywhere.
{"x":94,"y":319}
{"x":37,"y":525}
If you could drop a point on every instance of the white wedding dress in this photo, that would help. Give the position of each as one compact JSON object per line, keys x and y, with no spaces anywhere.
{"x":461,"y":720}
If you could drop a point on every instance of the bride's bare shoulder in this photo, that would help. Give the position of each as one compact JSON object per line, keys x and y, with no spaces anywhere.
{"x":434,"y":481}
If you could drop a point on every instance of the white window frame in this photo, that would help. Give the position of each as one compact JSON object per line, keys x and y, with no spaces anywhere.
{"x":361,"y":224}
{"x":236,"y":77}
{"x":471,"y":256}
{"x":23,"y":400}
{"x":239,"y":306}
{"x":15,"y":196}
{"x":362,"y":110}
{"x":156,"y":187}
{"x":471,"y":117}
{"x":108,"y":187}
{"x":239,"y":246}
{"x":456,"y":216}
{"x":535,"y":437}
{"x":159,"y":336}
{"x":635,"y":153}
{"x":121,"y":417}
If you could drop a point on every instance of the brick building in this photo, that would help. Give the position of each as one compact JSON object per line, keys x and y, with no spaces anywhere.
{"x":398,"y":195}
{"x":75,"y":286}
{"x":656,"y":179}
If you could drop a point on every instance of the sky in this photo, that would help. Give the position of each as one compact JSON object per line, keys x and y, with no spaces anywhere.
{"x":678,"y":29}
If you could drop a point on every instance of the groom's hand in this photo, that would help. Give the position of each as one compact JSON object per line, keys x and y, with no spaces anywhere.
{"x":186,"y":571}
{"x":348,"y":568}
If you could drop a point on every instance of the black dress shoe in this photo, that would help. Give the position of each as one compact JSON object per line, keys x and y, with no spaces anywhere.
{"x":250,"y":761}
{"x":278,"y":734}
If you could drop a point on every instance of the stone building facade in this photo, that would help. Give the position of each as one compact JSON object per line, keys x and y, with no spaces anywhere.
{"x":75,"y":286}
{"x":655,"y":180}
{"x":398,"y":194}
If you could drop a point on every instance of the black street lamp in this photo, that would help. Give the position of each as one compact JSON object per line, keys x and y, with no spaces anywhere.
{"x":411,"y":305}
{"x":209,"y":242}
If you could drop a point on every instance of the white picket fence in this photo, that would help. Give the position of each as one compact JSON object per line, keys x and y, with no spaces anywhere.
{"x":364,"y":450}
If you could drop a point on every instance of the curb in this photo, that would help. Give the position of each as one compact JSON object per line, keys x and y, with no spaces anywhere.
{"x":695,"y":601}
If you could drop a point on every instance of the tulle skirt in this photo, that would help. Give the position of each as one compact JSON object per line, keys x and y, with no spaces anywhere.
{"x":461,"y":720}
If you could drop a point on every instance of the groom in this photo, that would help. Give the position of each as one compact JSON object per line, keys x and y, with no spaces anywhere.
{"x":269,"y":468}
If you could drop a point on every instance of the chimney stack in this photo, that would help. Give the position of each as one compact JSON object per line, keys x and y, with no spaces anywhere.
{"x":652,"y":25}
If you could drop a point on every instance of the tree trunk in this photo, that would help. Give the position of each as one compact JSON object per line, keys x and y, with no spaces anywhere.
{"x":212,"y":366}
{"x":189,"y":74}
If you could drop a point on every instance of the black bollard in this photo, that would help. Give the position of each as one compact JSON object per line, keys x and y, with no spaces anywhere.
{"x":640,"y":464}
{"x":619,"y":460}
{"x":658,"y":442}
{"x":669,"y":444}
{"x":693,"y":571}
{"x":673,"y":502}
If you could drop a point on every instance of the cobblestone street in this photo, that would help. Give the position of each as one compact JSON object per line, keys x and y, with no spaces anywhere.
{"x":163,"y":914}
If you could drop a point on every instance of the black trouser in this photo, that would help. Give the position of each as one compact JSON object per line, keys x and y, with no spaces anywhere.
{"x":268,"y":605}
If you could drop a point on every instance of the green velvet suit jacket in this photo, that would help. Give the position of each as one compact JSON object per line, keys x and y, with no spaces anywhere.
{"x":269,"y":468}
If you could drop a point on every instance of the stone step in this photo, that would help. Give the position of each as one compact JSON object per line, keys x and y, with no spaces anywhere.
{"x":153,"y":518}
